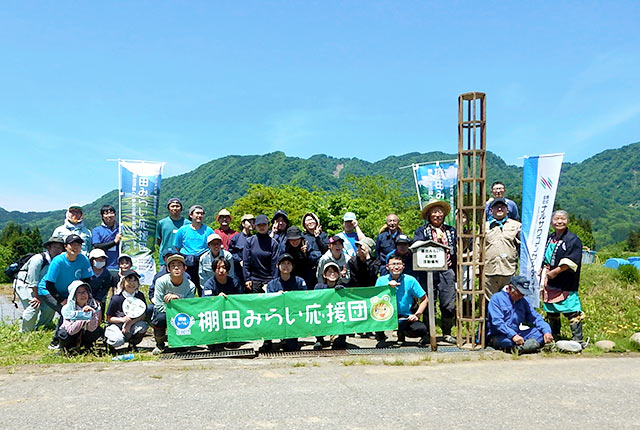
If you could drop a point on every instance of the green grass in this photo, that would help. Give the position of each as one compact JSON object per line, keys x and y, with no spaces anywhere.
{"x":31,"y":348}
{"x":612,"y":307}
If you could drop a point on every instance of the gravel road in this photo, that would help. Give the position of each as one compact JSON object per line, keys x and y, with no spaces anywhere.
{"x":334,"y":392}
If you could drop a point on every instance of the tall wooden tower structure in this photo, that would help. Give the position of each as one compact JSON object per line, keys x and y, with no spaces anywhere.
{"x":472,"y":167}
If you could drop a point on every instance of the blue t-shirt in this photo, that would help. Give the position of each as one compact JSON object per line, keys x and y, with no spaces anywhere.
{"x":166,"y":231}
{"x":62,"y":272}
{"x":104,"y":234}
{"x":192,"y":242}
{"x":408,"y":289}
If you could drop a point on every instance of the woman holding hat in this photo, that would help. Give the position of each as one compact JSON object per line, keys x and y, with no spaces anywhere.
{"x":444,"y":282}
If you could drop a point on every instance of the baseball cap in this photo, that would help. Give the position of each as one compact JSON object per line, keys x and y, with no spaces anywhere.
{"x":52,"y":240}
{"x":247,"y":217}
{"x":261,"y":219}
{"x":97,"y":253}
{"x":213,"y":237}
{"x":131,"y":272}
{"x":349,"y":216}
{"x":496,"y":201}
{"x":72,"y":238}
{"x":402,"y":238}
{"x":285,"y":256}
{"x":522,"y":284}
{"x":334,"y":239}
{"x":330,"y":264}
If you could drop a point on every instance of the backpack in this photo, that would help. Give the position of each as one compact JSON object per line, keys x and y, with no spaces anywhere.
{"x":17,"y":271}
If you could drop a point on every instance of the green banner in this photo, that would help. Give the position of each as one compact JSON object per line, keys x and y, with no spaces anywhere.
{"x":245,"y":317}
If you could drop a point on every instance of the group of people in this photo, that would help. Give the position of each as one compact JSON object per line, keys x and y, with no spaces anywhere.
{"x":79,"y":269}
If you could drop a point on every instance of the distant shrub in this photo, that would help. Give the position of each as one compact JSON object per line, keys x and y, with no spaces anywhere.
{"x":628,"y":274}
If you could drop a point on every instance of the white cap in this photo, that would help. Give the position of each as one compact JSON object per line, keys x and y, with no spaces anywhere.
{"x":97,"y":253}
{"x":213,"y":237}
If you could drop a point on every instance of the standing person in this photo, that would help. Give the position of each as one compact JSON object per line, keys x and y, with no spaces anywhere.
{"x":102,"y":280}
{"x":561,"y":267}
{"x":72,"y":265}
{"x":386,"y":240}
{"x":123,"y":328}
{"x":225,"y":231}
{"x":36,"y":312}
{"x":403,"y":249}
{"x":502,"y":247}
{"x":444,"y":282}
{"x":74,"y":224}
{"x":259,"y":258}
{"x":498,"y":190}
{"x":107,"y":236}
{"x":167,"y":228}
{"x":351,"y":232}
{"x":238,"y":243}
{"x":408,"y":290}
{"x":336,"y":255}
{"x":298,"y":249}
{"x":313,"y":234}
{"x":207,"y":270}
{"x":191,"y":241}
{"x":363,"y":268}
{"x":279,"y":226}
{"x":173,"y":286}
{"x":507,"y":311}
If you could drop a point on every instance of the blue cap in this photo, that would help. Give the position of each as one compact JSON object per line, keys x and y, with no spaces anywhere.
{"x":261,"y":219}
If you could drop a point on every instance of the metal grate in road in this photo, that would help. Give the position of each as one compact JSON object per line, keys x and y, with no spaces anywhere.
{"x":310,"y":353}
{"x":234,"y":353}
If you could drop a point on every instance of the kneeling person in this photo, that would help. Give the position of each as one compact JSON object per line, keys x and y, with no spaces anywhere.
{"x":331,"y":277}
{"x":172,"y":286}
{"x":283,"y":283}
{"x":407,"y":289}
{"x":507,"y":310}
{"x":81,"y":319}
{"x":122,"y":328}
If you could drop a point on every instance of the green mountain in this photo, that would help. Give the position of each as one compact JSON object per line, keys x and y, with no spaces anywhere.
{"x":602,"y":189}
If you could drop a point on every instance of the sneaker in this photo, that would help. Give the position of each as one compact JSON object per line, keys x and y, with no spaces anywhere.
{"x":530,"y":346}
{"x":266,"y":347}
{"x":383,"y":344}
{"x":447,"y":338}
{"x":54,"y":346}
{"x":157,"y":351}
{"x":425,"y":341}
{"x":317,"y":346}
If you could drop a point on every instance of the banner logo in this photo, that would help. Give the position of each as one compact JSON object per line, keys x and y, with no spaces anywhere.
{"x":381,"y":308}
{"x":546,"y":183}
{"x":182,"y":323}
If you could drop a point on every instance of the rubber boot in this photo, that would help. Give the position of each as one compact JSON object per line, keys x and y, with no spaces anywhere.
{"x":556,"y":323}
{"x":575,"y":322}
{"x":530,"y":346}
{"x":159,"y":334}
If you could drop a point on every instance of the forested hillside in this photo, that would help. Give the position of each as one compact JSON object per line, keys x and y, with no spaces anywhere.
{"x":603,"y":189}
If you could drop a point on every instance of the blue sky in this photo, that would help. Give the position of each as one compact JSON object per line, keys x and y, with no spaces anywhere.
{"x":187,"y":82}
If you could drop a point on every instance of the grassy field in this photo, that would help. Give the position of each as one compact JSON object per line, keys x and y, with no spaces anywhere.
{"x":611,"y":303}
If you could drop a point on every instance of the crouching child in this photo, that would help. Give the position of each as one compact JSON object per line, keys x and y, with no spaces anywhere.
{"x":80,"y":327}
{"x":126,"y":313}
{"x":331,"y":279}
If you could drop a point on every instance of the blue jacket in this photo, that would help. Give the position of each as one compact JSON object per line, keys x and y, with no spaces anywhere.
{"x":236,"y":247}
{"x":295,"y":283}
{"x":385,"y":243}
{"x":104,"y":238}
{"x":505,"y":316}
{"x":212,"y":287}
{"x":260,"y":257}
